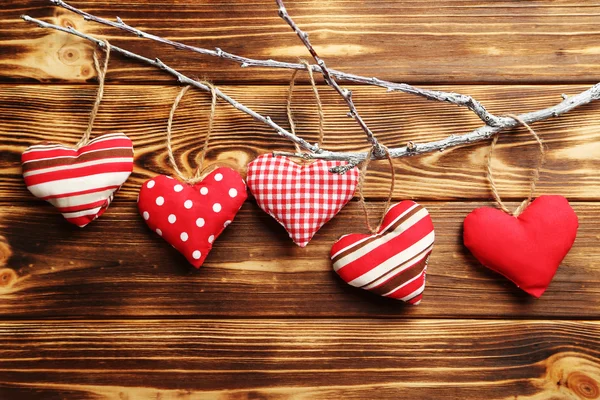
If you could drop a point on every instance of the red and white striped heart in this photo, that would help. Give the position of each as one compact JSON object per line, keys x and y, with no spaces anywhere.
{"x":79,"y":182}
{"x":191,"y":217}
{"x":393,"y":262}
{"x":302,"y":198}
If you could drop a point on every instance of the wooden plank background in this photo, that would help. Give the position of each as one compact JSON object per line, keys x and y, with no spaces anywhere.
{"x":112,"y":311}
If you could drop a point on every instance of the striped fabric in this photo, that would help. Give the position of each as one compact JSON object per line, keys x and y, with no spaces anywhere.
{"x":79,"y":182}
{"x":393,"y":262}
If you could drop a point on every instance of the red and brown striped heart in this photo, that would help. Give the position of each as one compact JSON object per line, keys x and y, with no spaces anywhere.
{"x":393,"y":262}
{"x":79,"y":182}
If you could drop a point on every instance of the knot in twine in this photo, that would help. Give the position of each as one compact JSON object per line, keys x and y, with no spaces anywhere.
{"x":317,"y":98}
{"x":101,"y":71}
{"x":361,"y":182}
{"x":197,"y":176}
{"x":534,"y":176}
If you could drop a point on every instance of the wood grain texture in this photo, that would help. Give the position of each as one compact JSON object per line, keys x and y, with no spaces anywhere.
{"x":300,"y":359}
{"x":118,"y":267}
{"x":454,"y":41}
{"x":113,"y":312}
{"x":33,"y":113}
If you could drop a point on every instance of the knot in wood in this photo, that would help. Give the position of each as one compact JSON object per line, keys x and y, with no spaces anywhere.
{"x":67,"y":23}
{"x":68,"y":55}
{"x":5,"y":251}
{"x":8,"y":277}
{"x":583,"y":386}
{"x":410,"y":146}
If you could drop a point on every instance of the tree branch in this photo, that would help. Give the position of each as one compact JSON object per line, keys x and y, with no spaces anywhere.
{"x":182,"y":79}
{"x":483,"y":133}
{"x":479,"y":134}
{"x":458,"y":99}
{"x":345,"y":93}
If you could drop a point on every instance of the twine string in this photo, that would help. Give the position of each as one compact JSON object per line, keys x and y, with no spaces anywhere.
{"x":101,"y":71}
{"x":211,"y":119}
{"x":535,"y":175}
{"x":361,"y":182}
{"x":317,"y":98}
{"x":197,"y":176}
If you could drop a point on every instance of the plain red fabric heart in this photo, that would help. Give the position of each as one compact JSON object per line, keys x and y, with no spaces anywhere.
{"x":79,"y":182}
{"x":191,"y":217}
{"x":302,"y":198}
{"x":527,"y":249}
{"x":393,"y":262}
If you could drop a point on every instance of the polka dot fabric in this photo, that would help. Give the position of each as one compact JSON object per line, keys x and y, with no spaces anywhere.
{"x":302,"y":198}
{"x":191,"y":217}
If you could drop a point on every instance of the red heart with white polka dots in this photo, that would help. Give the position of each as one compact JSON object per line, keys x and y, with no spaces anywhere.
{"x":191,"y":217}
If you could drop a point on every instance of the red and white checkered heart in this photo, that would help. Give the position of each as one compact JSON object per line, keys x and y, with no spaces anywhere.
{"x":393,"y":262}
{"x":79,"y":182}
{"x":302,"y":198}
{"x":191,"y":217}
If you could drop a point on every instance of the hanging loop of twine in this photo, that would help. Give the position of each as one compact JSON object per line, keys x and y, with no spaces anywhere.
{"x":197,"y":176}
{"x":361,"y":182}
{"x":534,"y":176}
{"x":101,"y":71}
{"x":317,"y":98}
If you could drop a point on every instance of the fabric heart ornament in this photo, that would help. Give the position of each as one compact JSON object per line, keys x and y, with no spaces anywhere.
{"x":392,"y":262}
{"x":191,"y":217}
{"x":528,"y":244}
{"x":80,"y":182}
{"x":302,"y":198}
{"x":527,"y":249}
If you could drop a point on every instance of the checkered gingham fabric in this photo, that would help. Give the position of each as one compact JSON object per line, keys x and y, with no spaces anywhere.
{"x":302,"y":198}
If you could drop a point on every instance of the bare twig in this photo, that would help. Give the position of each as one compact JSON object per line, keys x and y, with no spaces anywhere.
{"x":483,"y":133}
{"x":345,"y":93}
{"x":182,"y":79}
{"x":449,"y":97}
{"x":479,"y":134}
